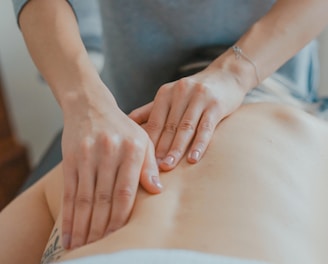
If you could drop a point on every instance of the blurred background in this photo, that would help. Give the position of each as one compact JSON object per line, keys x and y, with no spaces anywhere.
{"x":34,"y":113}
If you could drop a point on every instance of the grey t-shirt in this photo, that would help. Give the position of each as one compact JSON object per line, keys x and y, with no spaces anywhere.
{"x":145,"y":41}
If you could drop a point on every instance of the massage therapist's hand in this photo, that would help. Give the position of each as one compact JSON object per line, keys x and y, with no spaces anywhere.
{"x":185,"y":113}
{"x":105,"y":154}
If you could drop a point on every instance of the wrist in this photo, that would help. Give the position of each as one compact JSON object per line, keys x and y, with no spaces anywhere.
{"x":87,"y":96}
{"x":243,"y":70}
{"x":79,"y":85}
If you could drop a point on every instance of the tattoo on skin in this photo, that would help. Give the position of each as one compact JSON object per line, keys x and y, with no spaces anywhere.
{"x":54,"y":248}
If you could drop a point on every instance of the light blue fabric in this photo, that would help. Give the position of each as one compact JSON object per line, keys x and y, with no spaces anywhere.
{"x":160,"y":256}
{"x":145,"y":41}
{"x":87,"y":13}
{"x":18,"y":6}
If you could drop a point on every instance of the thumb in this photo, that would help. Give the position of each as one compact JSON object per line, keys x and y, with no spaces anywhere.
{"x":149,"y":178}
{"x":141,"y":114}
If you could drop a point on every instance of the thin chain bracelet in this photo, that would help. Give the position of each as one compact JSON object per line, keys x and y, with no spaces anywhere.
{"x":239,"y":53}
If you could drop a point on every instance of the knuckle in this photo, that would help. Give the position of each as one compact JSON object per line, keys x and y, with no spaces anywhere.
{"x":186,"y":125}
{"x":103,"y":197}
{"x":216,"y":105}
{"x":182,"y":85}
{"x":86,"y":146}
{"x":171,"y":127}
{"x":183,"y":82}
{"x":124,"y":193}
{"x":200,"y":89}
{"x":153,"y":126}
{"x":206,"y":126}
{"x":83,"y":200}
{"x":105,"y":140}
{"x":163,"y":90}
{"x":68,"y":197}
{"x":133,"y":145}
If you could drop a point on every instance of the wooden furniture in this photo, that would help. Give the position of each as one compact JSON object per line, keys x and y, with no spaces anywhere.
{"x":14,"y":164}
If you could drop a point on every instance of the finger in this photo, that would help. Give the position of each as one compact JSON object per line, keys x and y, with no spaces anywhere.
{"x":204,"y":134}
{"x":174,"y":125}
{"x":70,"y":189}
{"x":185,"y":133}
{"x":180,"y":103}
{"x":141,"y":114}
{"x":83,"y":202}
{"x":125,"y":188}
{"x":149,"y":178}
{"x":107,"y":170}
{"x":158,"y":114}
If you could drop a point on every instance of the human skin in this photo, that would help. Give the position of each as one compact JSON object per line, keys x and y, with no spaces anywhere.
{"x":94,"y":124}
{"x":259,"y":193}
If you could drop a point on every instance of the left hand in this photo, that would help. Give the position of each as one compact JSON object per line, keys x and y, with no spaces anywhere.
{"x":187,"y":112}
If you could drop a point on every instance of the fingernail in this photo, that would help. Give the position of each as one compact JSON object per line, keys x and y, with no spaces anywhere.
{"x":66,"y":241}
{"x":156,"y":182}
{"x":169,"y":160}
{"x":195,"y":155}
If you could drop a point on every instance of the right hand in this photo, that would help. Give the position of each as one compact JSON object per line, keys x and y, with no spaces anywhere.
{"x":105,"y":155}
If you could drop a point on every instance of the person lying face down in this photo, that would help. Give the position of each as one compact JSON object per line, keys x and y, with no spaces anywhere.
{"x":257,"y":196}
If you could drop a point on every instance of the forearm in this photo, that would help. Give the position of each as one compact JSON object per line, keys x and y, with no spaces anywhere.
{"x":275,"y":38}
{"x":52,"y":36}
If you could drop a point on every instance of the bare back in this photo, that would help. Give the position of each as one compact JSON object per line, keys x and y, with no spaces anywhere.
{"x":258,"y":193}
